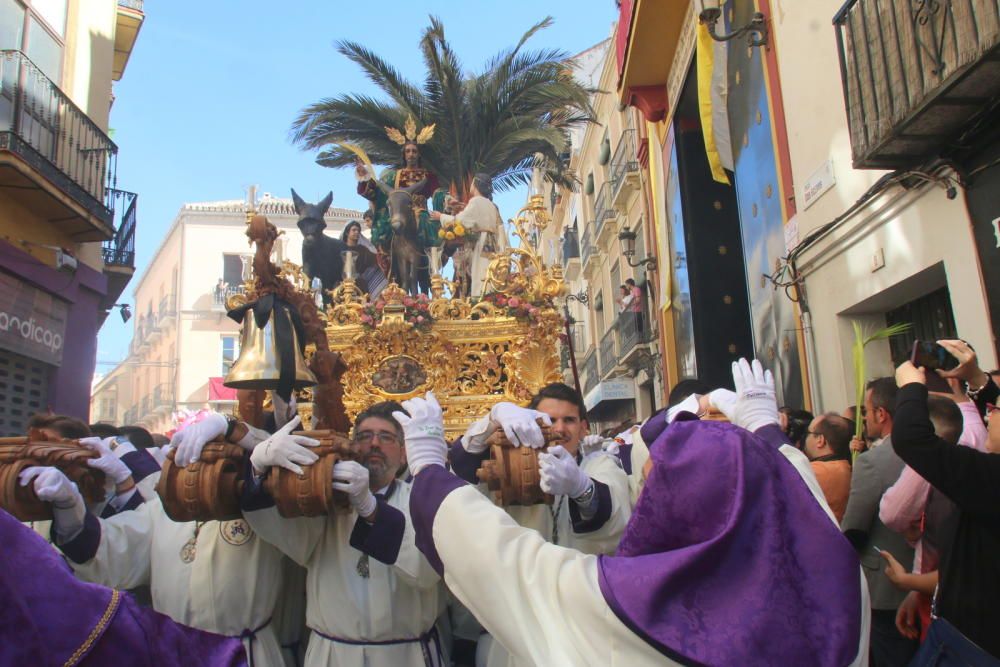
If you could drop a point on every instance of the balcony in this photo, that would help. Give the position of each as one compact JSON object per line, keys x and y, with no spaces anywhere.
{"x":609,"y":352}
{"x":624,"y":171}
{"x":604,"y":215}
{"x":591,"y":378}
{"x":634,"y":331}
{"x":128,"y":22}
{"x":163,"y":398}
{"x":588,"y":251}
{"x":915,"y":76}
{"x":167,"y":313}
{"x":145,"y":408}
{"x":53,"y":159}
{"x":219,"y":296}
{"x":131,"y":416}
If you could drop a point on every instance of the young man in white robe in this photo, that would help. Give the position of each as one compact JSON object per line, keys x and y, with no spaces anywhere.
{"x":371,"y":597}
{"x":216,"y":576}
{"x":732,"y":555}
{"x":482,"y":216}
{"x":592,"y":496}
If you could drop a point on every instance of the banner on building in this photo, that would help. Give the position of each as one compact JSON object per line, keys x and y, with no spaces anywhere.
{"x":32,"y":322}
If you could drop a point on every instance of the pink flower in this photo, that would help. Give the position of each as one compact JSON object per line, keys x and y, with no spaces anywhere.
{"x":422,"y":306}
{"x":501,"y":300}
{"x":379,"y":305}
{"x":366,"y":318}
{"x":407,"y":301}
{"x":533,"y":311}
{"x":513,"y":302}
{"x":420,"y":319}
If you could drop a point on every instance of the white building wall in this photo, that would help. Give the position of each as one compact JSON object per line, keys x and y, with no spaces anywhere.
{"x":915,"y":230}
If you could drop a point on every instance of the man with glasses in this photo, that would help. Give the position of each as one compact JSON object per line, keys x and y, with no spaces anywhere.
{"x":827,"y":445}
{"x":371,"y":597}
{"x":875,"y":471}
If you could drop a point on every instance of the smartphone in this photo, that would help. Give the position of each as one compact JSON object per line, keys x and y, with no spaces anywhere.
{"x":932,"y":356}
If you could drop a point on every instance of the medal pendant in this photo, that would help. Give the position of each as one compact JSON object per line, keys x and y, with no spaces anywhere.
{"x":362,"y":567}
{"x":188,"y":551}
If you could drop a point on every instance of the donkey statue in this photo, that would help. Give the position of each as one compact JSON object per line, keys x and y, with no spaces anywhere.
{"x":321,"y":254}
{"x":406,"y":251}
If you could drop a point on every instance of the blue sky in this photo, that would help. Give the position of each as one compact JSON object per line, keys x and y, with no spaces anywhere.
{"x":211,"y":89}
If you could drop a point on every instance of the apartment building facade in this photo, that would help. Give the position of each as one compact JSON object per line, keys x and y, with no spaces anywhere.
{"x":67,"y":230}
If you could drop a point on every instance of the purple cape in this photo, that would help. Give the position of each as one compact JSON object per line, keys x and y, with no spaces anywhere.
{"x":729,"y":560}
{"x":49,"y":617}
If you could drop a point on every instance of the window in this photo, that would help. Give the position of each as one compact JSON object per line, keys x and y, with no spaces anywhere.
{"x":230,"y":350}
{"x":232,"y":270}
{"x":36,"y":28}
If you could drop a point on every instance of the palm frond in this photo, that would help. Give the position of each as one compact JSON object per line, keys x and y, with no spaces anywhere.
{"x":523,"y":102}
{"x":862,"y":338}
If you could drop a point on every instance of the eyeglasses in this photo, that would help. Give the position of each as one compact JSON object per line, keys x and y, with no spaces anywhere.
{"x":384,"y":437}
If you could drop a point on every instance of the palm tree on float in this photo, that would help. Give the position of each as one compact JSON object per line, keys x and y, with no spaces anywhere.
{"x":522,"y":103}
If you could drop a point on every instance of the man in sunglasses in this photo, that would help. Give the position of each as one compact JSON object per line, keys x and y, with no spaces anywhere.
{"x":371,"y":597}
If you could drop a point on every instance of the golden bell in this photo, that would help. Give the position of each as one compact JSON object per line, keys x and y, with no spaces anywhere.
{"x":259,"y":363}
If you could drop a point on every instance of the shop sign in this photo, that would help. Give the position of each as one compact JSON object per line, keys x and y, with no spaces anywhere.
{"x":610,"y":390}
{"x":32,"y":322}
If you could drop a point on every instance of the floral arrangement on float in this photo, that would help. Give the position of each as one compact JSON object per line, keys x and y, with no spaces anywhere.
{"x":416,"y":312}
{"x":517,"y":305}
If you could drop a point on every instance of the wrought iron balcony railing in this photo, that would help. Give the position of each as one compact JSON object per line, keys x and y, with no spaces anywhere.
{"x":633,"y":329}
{"x":604,"y":208}
{"x":163,"y":396}
{"x":47,"y":130}
{"x":590,"y":371}
{"x":609,"y":351}
{"x":120,"y":250}
{"x":625,"y":160}
{"x":916,"y":74}
{"x":587,"y":247}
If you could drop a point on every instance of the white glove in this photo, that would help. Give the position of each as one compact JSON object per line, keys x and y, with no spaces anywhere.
{"x":108,"y":462}
{"x":352,"y":478}
{"x":284,"y":450}
{"x":283,"y":412}
{"x":724,"y":401}
{"x":561,"y":476}
{"x":756,"y":405}
{"x":68,"y":508}
{"x":590,"y":444}
{"x":193,"y":439}
{"x":519,"y":425}
{"x":612,"y":448}
{"x":423,"y":431}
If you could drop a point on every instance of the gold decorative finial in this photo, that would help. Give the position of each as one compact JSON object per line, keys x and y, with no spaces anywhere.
{"x":410,"y":134}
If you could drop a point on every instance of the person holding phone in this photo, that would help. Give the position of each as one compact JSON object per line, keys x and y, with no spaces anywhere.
{"x":969,"y":590}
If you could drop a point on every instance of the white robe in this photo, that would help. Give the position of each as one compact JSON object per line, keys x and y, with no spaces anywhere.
{"x":599,"y":466}
{"x":399,"y":601}
{"x":231,"y":586}
{"x":482,"y":216}
{"x":544,"y":601}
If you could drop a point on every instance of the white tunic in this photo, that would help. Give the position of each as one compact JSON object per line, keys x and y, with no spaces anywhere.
{"x":481,"y":215}
{"x":231,"y":585}
{"x":395,"y":602}
{"x":544,"y":601}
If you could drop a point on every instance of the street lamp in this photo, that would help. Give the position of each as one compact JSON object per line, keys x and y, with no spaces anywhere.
{"x":627,"y":239}
{"x":756,"y":29}
{"x":124,"y":310}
